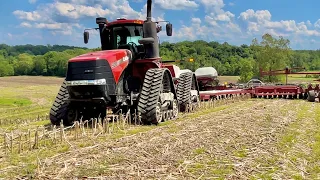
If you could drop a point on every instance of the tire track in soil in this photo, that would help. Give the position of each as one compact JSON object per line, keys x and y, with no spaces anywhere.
{"x":186,"y":149}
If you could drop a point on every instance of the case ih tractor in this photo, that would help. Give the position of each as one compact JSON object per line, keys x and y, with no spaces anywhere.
{"x":127,"y":74}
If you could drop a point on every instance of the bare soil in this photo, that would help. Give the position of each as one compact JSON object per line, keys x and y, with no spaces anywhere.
{"x":239,"y":142}
{"x":30,"y":80}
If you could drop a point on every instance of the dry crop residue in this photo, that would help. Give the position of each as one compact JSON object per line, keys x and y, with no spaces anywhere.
{"x":225,"y":144}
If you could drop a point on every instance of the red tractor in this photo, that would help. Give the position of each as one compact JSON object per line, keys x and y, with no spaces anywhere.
{"x":127,"y":74}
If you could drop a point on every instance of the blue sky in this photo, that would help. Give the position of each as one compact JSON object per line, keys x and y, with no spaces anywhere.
{"x":234,"y":21}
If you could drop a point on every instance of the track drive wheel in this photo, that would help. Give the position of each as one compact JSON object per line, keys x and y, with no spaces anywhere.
{"x":71,"y":116}
{"x":60,"y":109}
{"x":175,"y":110}
{"x":157,"y":82}
{"x":187,"y":92}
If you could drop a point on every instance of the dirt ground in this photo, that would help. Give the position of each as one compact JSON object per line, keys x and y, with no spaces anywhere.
{"x":251,"y":139}
{"x":30,"y":80}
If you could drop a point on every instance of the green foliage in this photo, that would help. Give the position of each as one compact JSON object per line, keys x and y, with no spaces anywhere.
{"x":246,"y":69}
{"x":37,"y":60}
{"x":244,"y":61}
{"x":33,"y":50}
{"x":6,"y":69}
{"x":23,"y":65}
{"x":272,"y":54}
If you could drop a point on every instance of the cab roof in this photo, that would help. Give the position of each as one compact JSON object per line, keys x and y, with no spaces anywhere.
{"x":125,"y":21}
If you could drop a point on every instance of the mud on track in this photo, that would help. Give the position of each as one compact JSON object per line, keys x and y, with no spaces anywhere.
{"x":230,"y":143}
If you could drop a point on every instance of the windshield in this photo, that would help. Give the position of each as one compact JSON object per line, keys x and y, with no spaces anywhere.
{"x":134,"y":39}
{"x":124,"y":34}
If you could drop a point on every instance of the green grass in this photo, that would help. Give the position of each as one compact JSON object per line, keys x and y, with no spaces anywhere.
{"x":228,"y":79}
{"x":14,"y":102}
{"x":241,"y":153}
{"x":294,"y":79}
{"x":199,"y":151}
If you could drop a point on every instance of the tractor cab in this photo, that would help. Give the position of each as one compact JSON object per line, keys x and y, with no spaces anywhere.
{"x":129,"y":34}
{"x":125,"y":34}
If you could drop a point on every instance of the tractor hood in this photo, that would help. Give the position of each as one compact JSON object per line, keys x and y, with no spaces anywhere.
{"x":107,"y":64}
{"x":109,"y":55}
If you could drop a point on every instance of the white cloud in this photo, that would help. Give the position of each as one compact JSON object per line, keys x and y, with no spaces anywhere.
{"x":79,"y":11}
{"x":217,"y":17}
{"x":316,"y":24}
{"x":26,"y":24}
{"x":177,"y":4}
{"x":258,"y":16}
{"x":259,"y":22}
{"x":30,"y":16}
{"x":196,"y":20}
{"x":55,"y":26}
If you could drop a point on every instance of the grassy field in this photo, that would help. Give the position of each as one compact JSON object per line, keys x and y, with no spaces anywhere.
{"x":228,"y":79}
{"x":250,"y":139}
{"x":26,"y":98}
{"x":302,"y":78}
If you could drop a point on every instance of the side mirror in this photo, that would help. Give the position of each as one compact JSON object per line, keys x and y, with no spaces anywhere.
{"x":101,"y":20}
{"x":169,"y":29}
{"x":86,"y":37}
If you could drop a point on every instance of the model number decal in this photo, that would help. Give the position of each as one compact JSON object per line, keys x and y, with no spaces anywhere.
{"x":120,"y":61}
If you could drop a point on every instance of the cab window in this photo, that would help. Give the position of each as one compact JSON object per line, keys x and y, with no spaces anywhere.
{"x":126,"y":34}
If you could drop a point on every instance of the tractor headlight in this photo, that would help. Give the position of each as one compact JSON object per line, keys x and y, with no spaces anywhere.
{"x":87,"y":82}
{"x":98,"y":82}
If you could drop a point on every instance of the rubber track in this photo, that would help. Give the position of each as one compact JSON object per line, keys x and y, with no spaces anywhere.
{"x":184,"y":90}
{"x":59,"y":107}
{"x":150,"y":94}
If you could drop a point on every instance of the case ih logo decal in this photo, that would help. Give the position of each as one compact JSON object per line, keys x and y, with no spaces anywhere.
{"x":117,"y":63}
{"x":88,"y":71}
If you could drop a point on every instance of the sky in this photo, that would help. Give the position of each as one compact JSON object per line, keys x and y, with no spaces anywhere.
{"x":234,"y":21}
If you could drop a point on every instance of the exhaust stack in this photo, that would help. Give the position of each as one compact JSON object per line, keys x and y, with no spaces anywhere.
{"x":149,"y":3}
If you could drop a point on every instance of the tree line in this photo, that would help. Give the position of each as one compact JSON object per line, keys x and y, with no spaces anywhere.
{"x":269,"y":54}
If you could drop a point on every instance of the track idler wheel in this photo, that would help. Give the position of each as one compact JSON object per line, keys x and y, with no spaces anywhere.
{"x":158,"y":114}
{"x":156,"y":82}
{"x":175,"y":109}
{"x":71,"y":116}
{"x":186,"y":89}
